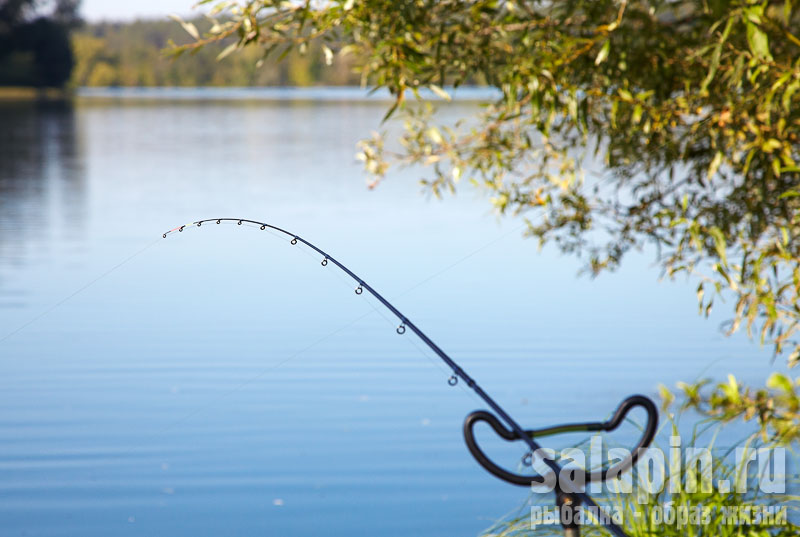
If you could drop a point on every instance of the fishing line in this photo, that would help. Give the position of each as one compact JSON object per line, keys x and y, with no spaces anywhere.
{"x":80,"y":289}
{"x":570,"y":493}
{"x":150,"y":245}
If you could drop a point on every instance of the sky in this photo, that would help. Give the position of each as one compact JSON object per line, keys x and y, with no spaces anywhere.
{"x":94,"y":10}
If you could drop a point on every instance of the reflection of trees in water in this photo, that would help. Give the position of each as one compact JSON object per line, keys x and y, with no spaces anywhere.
{"x":42,"y":184}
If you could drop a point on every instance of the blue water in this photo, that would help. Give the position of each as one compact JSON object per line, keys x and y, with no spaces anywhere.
{"x":223,"y":382}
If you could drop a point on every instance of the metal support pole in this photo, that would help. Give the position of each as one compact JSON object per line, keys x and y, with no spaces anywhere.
{"x":569,"y":510}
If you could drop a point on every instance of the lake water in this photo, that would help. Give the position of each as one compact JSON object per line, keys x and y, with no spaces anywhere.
{"x":223,"y":382}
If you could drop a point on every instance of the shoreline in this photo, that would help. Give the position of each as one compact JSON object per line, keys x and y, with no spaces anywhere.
{"x":233,"y":93}
{"x":22,"y":93}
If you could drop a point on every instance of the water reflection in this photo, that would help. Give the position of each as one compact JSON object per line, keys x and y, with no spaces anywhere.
{"x":42,"y":182}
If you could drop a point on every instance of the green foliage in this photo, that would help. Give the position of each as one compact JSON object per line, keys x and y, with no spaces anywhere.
{"x":775,"y":408}
{"x":131,"y":54}
{"x":620,"y":124}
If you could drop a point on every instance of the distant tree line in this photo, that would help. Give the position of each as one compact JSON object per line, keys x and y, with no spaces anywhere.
{"x":132,"y":54}
{"x":34,"y":42}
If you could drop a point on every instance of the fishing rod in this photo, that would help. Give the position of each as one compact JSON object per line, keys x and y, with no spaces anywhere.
{"x":569,"y":486}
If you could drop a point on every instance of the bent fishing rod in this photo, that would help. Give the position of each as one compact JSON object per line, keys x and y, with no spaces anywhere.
{"x":569,"y":486}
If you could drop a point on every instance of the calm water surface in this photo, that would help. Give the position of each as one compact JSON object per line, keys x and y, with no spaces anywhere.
{"x":222,"y":382}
